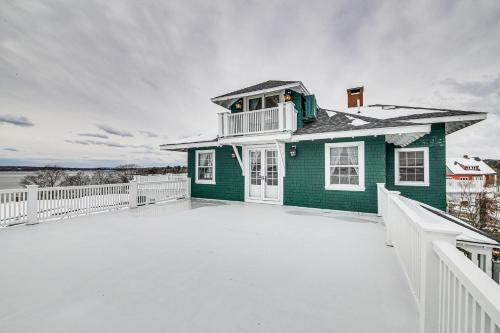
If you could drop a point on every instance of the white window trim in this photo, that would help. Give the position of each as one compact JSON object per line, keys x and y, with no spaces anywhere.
{"x":361,"y":168}
{"x":426,"y":167}
{"x":204,"y":181}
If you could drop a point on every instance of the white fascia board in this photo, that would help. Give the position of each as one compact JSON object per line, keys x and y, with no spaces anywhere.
{"x":268,"y":138}
{"x":263,"y":91}
{"x":363,"y":132}
{"x":469,"y":117}
{"x":180,"y":146}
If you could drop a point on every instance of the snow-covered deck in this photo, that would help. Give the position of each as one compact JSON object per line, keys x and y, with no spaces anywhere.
{"x":204,"y":266}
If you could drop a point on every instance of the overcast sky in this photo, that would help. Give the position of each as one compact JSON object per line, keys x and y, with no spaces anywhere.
{"x":103,"y":83}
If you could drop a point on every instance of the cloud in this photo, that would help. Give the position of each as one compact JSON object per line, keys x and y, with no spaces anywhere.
{"x":486,"y":87}
{"x":114,"y":131}
{"x":149,"y":134}
{"x":111,"y":144}
{"x":94,"y":135}
{"x":16,"y":121}
{"x":10,"y":149}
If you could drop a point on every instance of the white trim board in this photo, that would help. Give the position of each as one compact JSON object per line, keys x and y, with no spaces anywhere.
{"x":363,"y":132}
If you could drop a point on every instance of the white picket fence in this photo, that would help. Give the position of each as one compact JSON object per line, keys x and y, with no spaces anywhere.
{"x":34,"y":204}
{"x":452,"y":294}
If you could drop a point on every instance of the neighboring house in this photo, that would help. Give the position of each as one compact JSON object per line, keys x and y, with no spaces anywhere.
{"x":470,"y":168}
{"x":275,"y":145}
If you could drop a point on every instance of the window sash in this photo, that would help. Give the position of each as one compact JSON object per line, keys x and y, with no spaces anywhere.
{"x":412,"y":166}
{"x":345,"y":166}
{"x":205,"y":166}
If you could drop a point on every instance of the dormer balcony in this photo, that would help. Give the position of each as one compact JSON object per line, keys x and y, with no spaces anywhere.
{"x":282,"y":118}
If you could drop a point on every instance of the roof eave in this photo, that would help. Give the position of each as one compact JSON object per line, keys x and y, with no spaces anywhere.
{"x":261,"y":91}
{"x":420,"y":128}
{"x":187,"y":145}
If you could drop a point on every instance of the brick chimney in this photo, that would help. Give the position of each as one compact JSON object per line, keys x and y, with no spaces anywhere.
{"x":355,"y":97}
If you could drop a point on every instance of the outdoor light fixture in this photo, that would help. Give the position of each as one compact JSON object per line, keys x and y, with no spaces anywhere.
{"x":233,"y":155}
{"x":239,"y":104}
{"x":293,"y":151}
{"x":288,"y":95}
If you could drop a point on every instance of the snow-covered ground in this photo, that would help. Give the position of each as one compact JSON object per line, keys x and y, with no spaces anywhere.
{"x":204,"y":266}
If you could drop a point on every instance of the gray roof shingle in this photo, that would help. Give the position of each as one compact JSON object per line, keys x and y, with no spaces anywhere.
{"x":341,"y":121}
{"x":259,"y":86}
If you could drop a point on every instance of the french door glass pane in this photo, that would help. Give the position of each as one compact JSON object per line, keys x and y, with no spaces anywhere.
{"x":255,"y":167}
{"x":272,"y":168}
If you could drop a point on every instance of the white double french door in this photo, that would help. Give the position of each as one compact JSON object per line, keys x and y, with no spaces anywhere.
{"x":263,"y":175}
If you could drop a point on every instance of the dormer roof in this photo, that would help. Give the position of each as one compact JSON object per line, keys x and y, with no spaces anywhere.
{"x":260,"y":88}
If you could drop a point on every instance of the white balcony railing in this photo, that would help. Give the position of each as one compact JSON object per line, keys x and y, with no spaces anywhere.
{"x":282,"y":118}
{"x":451,"y":293}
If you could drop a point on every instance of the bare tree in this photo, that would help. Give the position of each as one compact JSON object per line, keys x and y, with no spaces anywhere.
{"x":52,"y":176}
{"x":78,"y":179}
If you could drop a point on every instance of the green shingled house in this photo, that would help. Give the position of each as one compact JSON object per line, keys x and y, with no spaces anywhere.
{"x":275,"y":145}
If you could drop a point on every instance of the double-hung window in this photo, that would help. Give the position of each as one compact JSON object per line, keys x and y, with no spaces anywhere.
{"x":411,"y":166}
{"x":205,"y":166}
{"x":345,"y":166}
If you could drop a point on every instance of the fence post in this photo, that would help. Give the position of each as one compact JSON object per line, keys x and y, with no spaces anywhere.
{"x":429,"y":277}
{"x":188,"y":187}
{"x":32,"y":204}
{"x":133,"y":194}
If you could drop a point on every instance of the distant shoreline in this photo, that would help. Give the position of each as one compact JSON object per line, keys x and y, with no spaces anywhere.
{"x":33,"y":168}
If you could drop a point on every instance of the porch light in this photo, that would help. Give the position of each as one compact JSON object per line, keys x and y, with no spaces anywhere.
{"x":293,"y":151}
{"x":288,"y":95}
{"x":239,"y":104}
{"x":233,"y":155}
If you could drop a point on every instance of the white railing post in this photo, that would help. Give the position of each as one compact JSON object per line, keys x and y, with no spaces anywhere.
{"x":226,"y":129}
{"x":281,"y":116}
{"x":133,"y":194}
{"x":429,"y":307}
{"x":221,"y":125}
{"x":188,"y":187}
{"x":32,"y":204}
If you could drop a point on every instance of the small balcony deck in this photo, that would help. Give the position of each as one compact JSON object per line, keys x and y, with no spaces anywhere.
{"x":282,"y":118}
{"x":193,"y":266}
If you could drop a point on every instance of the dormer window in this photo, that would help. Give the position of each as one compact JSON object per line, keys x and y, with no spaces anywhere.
{"x":263,"y":101}
{"x":254,"y":103}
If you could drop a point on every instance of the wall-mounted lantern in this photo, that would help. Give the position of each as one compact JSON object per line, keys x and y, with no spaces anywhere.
{"x":293,"y":151}
{"x":239,"y":104}
{"x":288,"y":95}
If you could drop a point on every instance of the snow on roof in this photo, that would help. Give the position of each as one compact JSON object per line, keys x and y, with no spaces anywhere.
{"x":399,"y":112}
{"x":193,"y":139}
{"x":383,"y":112}
{"x":357,"y":121}
{"x":468,"y":166}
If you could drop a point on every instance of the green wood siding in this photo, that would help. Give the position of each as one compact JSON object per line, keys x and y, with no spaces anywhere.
{"x":435,"y":193}
{"x":304,"y":184}
{"x":297,"y":100}
{"x":229,"y":180}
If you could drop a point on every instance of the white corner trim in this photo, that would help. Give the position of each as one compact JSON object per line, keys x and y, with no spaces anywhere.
{"x":361,"y":166}
{"x":426,"y":181}
{"x":203,"y":181}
